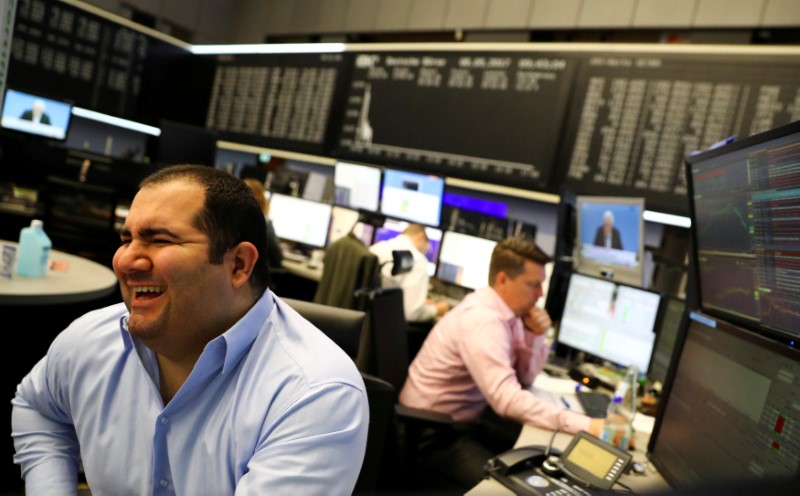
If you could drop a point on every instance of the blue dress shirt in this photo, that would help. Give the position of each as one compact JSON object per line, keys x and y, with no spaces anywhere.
{"x":272,"y":407}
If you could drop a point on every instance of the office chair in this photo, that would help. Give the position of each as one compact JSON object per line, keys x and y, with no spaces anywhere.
{"x":344,"y":327}
{"x":348,"y":265}
{"x":384,"y":353}
{"x":79,"y":218}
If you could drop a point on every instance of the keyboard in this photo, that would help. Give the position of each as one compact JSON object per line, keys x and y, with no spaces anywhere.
{"x":594,"y":404}
{"x":295,"y":257}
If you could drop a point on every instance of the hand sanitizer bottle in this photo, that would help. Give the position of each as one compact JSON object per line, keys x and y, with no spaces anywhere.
{"x":33,"y":256}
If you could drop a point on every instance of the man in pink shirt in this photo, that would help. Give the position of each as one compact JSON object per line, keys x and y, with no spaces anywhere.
{"x":487,"y":351}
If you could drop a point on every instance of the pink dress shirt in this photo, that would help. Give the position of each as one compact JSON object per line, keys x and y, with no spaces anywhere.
{"x":479,"y":354}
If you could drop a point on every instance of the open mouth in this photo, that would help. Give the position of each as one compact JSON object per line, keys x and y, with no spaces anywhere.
{"x":147,"y":292}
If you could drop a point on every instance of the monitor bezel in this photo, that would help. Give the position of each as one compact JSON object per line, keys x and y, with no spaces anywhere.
{"x":46,"y":98}
{"x":298,"y":242}
{"x":631,"y":275}
{"x":694,"y":267}
{"x":662,"y":298}
{"x":714,"y":322}
{"x":446,"y":234}
{"x":337,"y":166}
{"x":394,"y":215}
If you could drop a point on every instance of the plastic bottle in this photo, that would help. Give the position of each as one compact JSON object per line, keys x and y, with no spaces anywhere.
{"x":34,"y":250}
{"x":619,"y":416}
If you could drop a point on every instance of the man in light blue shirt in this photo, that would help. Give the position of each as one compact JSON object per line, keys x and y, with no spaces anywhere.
{"x":203,"y":382}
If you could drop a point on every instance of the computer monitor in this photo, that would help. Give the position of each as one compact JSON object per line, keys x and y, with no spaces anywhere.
{"x":610,"y":238}
{"x":412,"y":196}
{"x":36,"y":115}
{"x":729,"y":410}
{"x":392,"y":228}
{"x":300,"y":220}
{"x":744,"y":202}
{"x":182,"y":143}
{"x":344,"y":221}
{"x":666,"y":337}
{"x":464,"y":260}
{"x":610,"y":321}
{"x":357,"y":186}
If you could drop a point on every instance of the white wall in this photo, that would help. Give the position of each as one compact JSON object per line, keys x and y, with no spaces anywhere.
{"x":249,"y":21}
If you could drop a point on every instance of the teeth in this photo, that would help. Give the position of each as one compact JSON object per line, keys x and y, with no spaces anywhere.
{"x":149,"y":289}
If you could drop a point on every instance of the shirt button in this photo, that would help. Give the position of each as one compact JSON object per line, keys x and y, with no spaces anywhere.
{"x":164,"y":482}
{"x":164,"y":420}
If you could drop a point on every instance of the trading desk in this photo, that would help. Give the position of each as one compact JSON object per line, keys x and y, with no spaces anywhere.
{"x":648,"y":482}
{"x":77,"y":279}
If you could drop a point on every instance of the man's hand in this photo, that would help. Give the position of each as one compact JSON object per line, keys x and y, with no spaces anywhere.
{"x":441,"y":308}
{"x":537,"y":320}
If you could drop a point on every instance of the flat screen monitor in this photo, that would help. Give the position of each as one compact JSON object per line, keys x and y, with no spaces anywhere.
{"x":610,"y":232}
{"x":412,"y":196}
{"x":181,"y":143}
{"x":344,"y":221}
{"x":666,"y":337}
{"x":464,"y":260}
{"x":744,"y":202}
{"x":35,"y":114}
{"x":392,"y":228}
{"x":357,"y":186}
{"x":729,"y":416}
{"x":302,"y":221}
{"x":610,"y":321}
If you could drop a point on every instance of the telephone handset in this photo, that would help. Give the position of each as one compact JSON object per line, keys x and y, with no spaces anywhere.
{"x":587,"y":464}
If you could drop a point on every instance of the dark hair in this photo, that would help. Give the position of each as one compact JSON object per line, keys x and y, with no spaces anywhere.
{"x":229,"y":216}
{"x":509,"y":256}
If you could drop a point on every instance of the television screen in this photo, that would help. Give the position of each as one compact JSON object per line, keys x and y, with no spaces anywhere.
{"x":34,"y":114}
{"x":610,"y":232}
{"x":392,"y":228}
{"x":610,"y":321}
{"x":302,"y":221}
{"x":744,"y":200}
{"x":412,"y":196}
{"x":357,"y":186}
{"x":464,"y":260}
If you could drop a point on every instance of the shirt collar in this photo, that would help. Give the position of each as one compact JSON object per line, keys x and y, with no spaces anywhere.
{"x":235,"y":341}
{"x":505,"y":311}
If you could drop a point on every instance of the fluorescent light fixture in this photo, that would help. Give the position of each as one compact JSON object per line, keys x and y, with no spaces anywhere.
{"x":661,"y":218}
{"x":268,"y":48}
{"x":115,"y":121}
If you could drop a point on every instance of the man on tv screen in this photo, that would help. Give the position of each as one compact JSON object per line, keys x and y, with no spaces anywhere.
{"x":607,"y":235}
{"x":36,"y":113}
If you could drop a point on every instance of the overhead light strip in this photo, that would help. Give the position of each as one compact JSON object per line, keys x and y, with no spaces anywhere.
{"x":662,"y":218}
{"x":268,"y":48}
{"x":116,"y":121}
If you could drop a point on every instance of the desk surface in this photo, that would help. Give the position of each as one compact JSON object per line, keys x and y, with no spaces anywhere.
{"x":649,"y":482}
{"x":81,"y":280}
{"x":302,"y":269}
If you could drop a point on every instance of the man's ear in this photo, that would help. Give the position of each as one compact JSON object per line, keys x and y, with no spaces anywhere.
{"x":500,"y":278}
{"x":244,"y":256}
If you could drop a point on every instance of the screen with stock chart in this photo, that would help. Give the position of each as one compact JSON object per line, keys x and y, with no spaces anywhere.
{"x":745,"y":202}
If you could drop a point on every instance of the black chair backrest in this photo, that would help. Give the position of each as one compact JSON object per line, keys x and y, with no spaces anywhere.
{"x":389,"y":335}
{"x":380,"y":458}
{"x":342,"y":325}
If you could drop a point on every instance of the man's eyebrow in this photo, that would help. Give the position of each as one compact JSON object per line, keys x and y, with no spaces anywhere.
{"x":150,"y":232}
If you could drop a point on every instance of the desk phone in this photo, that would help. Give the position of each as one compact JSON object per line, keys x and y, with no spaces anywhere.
{"x":587,"y":466}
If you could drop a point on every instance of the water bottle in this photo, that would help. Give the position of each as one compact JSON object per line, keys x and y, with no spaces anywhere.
{"x":34,"y":250}
{"x":619,"y":416}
